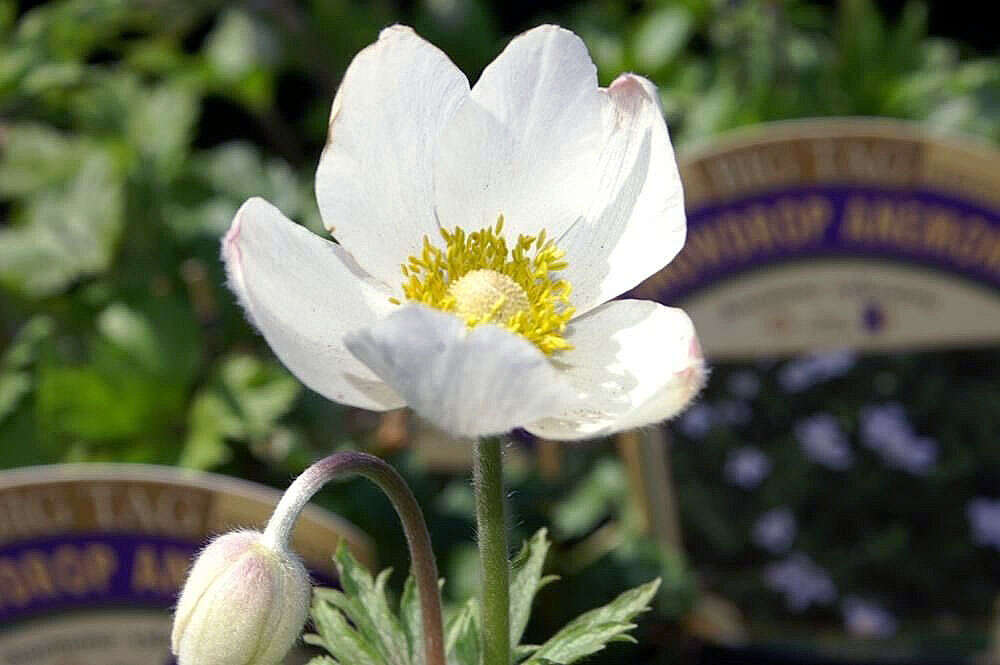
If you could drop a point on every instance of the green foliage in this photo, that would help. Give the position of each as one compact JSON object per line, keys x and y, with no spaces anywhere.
{"x":725,"y":65}
{"x":359,"y":626}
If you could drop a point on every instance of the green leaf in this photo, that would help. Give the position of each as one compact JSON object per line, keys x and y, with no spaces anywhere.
{"x":133,"y":333}
{"x":246,"y":401}
{"x":90,"y":403}
{"x":321,"y":660}
{"x":522,"y":651}
{"x":338,"y":637}
{"x":357,"y":625}
{"x":13,"y":386}
{"x":22,"y":350}
{"x":35,"y":157}
{"x":237,"y":45}
{"x":526,"y":580}
{"x":162,"y":123}
{"x":210,"y":422}
{"x":65,"y":233}
{"x":413,"y":627}
{"x":369,"y":608}
{"x":661,"y":36}
{"x":462,"y":636}
{"x":593,"y":630}
{"x":15,"y":379}
{"x":262,"y":392}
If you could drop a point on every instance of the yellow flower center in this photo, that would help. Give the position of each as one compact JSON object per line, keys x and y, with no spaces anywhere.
{"x":487,"y":295}
{"x":480,"y":279}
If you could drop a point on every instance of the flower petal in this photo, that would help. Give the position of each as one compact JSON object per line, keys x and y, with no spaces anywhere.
{"x":475,"y":382}
{"x":374,"y":182}
{"x":636,"y":221}
{"x":525,"y":143}
{"x":304,"y":293}
{"x":635,"y":362}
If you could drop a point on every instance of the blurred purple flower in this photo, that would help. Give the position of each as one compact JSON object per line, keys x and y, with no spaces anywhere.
{"x":775,"y":530}
{"x":744,"y":384}
{"x":886,"y":430}
{"x":746,"y":467}
{"x":824,"y":442}
{"x":801,"y":581}
{"x":733,"y":412}
{"x":984,"y":518}
{"x":803,"y":373}
{"x":697,"y":421}
{"x":864,"y":618}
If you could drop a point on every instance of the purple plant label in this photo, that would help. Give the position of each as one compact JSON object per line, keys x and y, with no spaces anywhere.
{"x":92,"y":558}
{"x":823,"y":234}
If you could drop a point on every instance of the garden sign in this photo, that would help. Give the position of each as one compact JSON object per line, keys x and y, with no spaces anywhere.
{"x":867,"y":234}
{"x":92,"y":556}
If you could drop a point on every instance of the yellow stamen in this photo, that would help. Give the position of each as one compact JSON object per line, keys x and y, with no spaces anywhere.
{"x":479,"y":278}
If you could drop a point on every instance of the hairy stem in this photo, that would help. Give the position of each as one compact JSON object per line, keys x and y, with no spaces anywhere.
{"x":494,"y":564}
{"x":347,"y":464}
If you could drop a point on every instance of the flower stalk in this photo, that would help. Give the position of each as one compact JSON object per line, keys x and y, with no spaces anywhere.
{"x":342,"y":465}
{"x":493,"y":553}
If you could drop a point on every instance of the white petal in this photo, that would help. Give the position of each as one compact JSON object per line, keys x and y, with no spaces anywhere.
{"x":468,"y":382}
{"x":635,"y":362}
{"x":636,"y":223}
{"x":525,"y":143}
{"x":374,"y":182}
{"x":304,"y":293}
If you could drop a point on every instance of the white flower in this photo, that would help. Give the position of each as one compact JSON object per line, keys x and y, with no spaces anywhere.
{"x":585,"y":185}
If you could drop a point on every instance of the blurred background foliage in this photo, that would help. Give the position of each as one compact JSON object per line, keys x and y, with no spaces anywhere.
{"x":131,"y":131}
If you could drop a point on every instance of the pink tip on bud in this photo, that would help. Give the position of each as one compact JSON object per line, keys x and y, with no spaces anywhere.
{"x":244,"y":603}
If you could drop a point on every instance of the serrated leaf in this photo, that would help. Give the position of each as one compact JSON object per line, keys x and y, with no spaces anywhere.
{"x":593,"y":630}
{"x":413,"y":628}
{"x":338,"y":637}
{"x":526,"y":580}
{"x":522,"y":651}
{"x":365,"y":603}
{"x":321,"y":660}
{"x":574,"y":643}
{"x":462,"y":636}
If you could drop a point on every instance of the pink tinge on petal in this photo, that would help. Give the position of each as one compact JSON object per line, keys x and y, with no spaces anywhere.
{"x":693,"y":378}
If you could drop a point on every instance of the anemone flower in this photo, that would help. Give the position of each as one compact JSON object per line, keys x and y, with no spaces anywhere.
{"x":480,"y":235}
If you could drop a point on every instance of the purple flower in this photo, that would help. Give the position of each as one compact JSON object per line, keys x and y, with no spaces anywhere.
{"x":746,"y":467}
{"x":884,"y":424}
{"x":801,"y":581}
{"x":886,"y":430}
{"x":803,"y":373}
{"x":775,"y":530}
{"x":733,"y":412}
{"x":864,"y":618}
{"x":984,"y":518}
{"x":697,"y":421}
{"x":744,"y":384}
{"x":824,"y":442}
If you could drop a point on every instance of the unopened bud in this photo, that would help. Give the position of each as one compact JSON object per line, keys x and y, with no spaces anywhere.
{"x":244,"y":603}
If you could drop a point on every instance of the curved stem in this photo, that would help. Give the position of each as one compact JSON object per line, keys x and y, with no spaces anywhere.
{"x":493,"y":553}
{"x":349,"y":463}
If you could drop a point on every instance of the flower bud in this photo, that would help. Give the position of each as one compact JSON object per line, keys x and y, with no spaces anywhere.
{"x":244,"y":603}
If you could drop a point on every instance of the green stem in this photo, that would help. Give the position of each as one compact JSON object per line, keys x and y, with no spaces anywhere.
{"x":494,"y":564}
{"x":344,"y":465}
